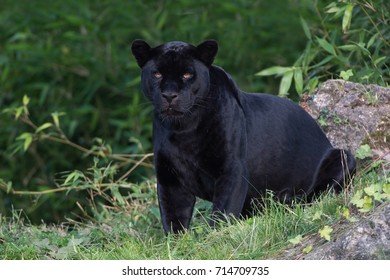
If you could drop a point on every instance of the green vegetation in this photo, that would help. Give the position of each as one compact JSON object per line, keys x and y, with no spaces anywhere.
{"x":72,"y":60}
{"x":132,"y":230}
{"x":352,"y":43}
{"x":76,"y":179}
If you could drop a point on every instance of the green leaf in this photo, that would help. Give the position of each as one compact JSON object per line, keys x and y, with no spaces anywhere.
{"x":326,"y":46}
{"x":325,"y":232}
{"x":347,"y":17}
{"x":26,"y":100}
{"x":312,"y":84}
{"x":322,"y":62}
{"x":364,"y":151}
{"x":6,"y":185}
{"x":296,"y":240}
{"x":43,"y":127}
{"x":118,"y":197}
{"x":18,"y":112}
{"x":27,"y":143}
{"x":298,"y":80}
{"x":274,"y":70}
{"x":322,"y":122}
{"x":307,"y":249}
{"x":27,"y":138}
{"x":346,"y":214}
{"x":357,"y":199}
{"x":345,"y":75}
{"x":372,"y":40}
{"x":363,"y":49}
{"x":306,"y":28}
{"x":332,"y":10}
{"x":367,"y":204}
{"x":285,"y":83}
{"x":349,"y":47}
{"x":56,"y":116}
{"x":317,"y":215}
{"x":73,"y":177}
{"x":375,"y":191}
{"x":379,"y":60}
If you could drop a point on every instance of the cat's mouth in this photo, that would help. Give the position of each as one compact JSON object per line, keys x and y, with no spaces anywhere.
{"x":172,"y":112}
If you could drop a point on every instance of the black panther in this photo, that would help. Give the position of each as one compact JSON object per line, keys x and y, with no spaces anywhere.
{"x":215,"y":142}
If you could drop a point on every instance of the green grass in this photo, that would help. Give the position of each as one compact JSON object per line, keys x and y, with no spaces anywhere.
{"x":135,"y":232}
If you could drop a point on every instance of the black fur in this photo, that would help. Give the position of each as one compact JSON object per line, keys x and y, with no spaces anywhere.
{"x":213,"y":141}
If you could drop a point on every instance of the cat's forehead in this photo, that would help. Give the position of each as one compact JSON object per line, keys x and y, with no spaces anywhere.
{"x":174,"y":54}
{"x":175,"y":47}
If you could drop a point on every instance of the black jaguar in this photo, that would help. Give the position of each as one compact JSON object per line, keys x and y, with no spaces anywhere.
{"x":213,"y":141}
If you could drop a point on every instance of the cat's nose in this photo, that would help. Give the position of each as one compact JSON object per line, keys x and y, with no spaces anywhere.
{"x":169,"y":96}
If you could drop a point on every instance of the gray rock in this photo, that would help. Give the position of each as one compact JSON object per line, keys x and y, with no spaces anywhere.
{"x":353,"y":114}
{"x":367,"y":240}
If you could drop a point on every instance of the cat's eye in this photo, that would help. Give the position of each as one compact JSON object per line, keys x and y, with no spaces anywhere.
{"x":157,"y":75}
{"x":187,"y":76}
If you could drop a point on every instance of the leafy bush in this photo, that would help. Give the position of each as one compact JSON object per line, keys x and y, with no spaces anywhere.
{"x":351,"y":43}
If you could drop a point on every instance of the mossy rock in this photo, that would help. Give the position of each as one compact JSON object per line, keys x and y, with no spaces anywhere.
{"x":353,"y":114}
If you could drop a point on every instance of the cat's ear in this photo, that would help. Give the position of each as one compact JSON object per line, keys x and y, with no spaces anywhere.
{"x":141,"y":52}
{"x":207,"y":51}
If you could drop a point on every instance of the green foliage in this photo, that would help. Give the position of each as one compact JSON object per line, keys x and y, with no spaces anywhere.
{"x":325,"y":232}
{"x":345,"y":75}
{"x":133,"y":231}
{"x":374,"y":193}
{"x":296,"y":240}
{"x":69,"y":87}
{"x":307,"y":249}
{"x":352,"y":42}
{"x":364,"y":151}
